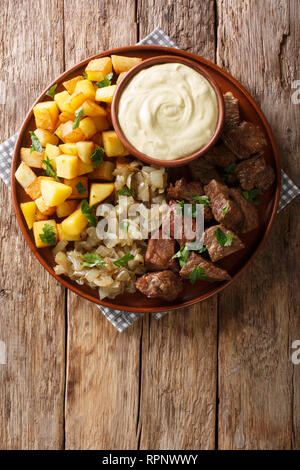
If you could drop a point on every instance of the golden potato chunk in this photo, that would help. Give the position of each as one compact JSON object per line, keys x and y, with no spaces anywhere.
{"x":46,"y":115}
{"x":105,"y":94}
{"x":75,"y":223}
{"x":88,"y":127}
{"x":123,"y":64}
{"x":28,"y":209}
{"x":54,"y":193}
{"x":43,"y":208}
{"x":103,"y":172}
{"x":71,"y":84}
{"x":93,"y":109}
{"x":87,"y":88}
{"x":85,"y":150}
{"x":113,"y":147}
{"x":38,"y":229}
{"x":66,"y":166}
{"x":101,"y":123}
{"x":32,"y":159}
{"x":34,"y":189}
{"x":70,"y":135}
{"x":97,"y":69}
{"x":63,"y":236}
{"x":100,"y":191}
{"x":24,"y":175}
{"x":66,"y":208}
{"x":79,"y":187}
{"x":61,"y":99}
{"x":69,"y":149}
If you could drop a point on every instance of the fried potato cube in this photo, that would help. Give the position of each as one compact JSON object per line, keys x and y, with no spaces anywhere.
{"x":85,"y":150}
{"x":28,"y":209}
{"x":97,"y":69}
{"x":113,"y":147}
{"x":74,"y":102}
{"x":84,"y":168}
{"x":63,"y":236}
{"x":33,"y":159}
{"x":88,"y":127}
{"x":92,"y":109}
{"x":24,"y":175}
{"x":78,"y":185}
{"x":66,"y":166}
{"x":46,"y":137}
{"x":34,"y":189}
{"x":70,"y":135}
{"x":52,"y":151}
{"x":75,"y":223}
{"x":66,"y":208}
{"x":54,"y":193}
{"x":43,"y":208}
{"x":123,"y":64}
{"x":69,"y":149}
{"x":122,"y":75}
{"x":71,"y":84}
{"x":105,"y":94}
{"x":65,"y":116}
{"x":58,"y":132}
{"x":38,"y":230}
{"x":97,"y":139}
{"x":101,"y":123}
{"x":46,"y":115}
{"x":103,"y":172}
{"x":40,"y":216}
{"x":61,"y":99}
{"x":87,"y":88}
{"x":100,"y":191}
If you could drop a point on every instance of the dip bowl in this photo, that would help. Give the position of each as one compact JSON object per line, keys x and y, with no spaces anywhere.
{"x":162,"y":60}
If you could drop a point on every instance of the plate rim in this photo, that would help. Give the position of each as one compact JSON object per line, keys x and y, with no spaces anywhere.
{"x":188,"y":303}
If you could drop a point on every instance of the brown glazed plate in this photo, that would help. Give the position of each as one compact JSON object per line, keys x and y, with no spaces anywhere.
{"x":235,"y":263}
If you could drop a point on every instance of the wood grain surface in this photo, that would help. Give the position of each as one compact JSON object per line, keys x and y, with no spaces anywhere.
{"x":217,"y":375}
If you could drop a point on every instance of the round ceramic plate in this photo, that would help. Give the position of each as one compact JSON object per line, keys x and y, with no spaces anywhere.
{"x":235,"y":263}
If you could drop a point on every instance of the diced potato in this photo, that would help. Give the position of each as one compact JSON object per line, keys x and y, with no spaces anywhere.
{"x":122,"y":162}
{"x":46,"y":137}
{"x":103,"y":172}
{"x":88,"y":127}
{"x":52,"y":151}
{"x":34,"y":189}
{"x":61,"y":99}
{"x":125,"y":153}
{"x":75,"y":223}
{"x":66,"y":208}
{"x":46,"y":115}
{"x":87,"y":88}
{"x":40,"y":216}
{"x":38,"y":230}
{"x":97,"y":139}
{"x":122,"y":75}
{"x":80,"y":180}
{"x":84,"y":168}
{"x":28,"y":209}
{"x":93,"y":109}
{"x":113,"y":147}
{"x":100,"y":191}
{"x":105,"y":94}
{"x":101,"y":123}
{"x":24,"y":175}
{"x":66,"y":166}
{"x":71,"y":84}
{"x":63,"y":236}
{"x":58,"y":132}
{"x":123,"y":64}
{"x":97,"y":69}
{"x":65,"y":116}
{"x":70,"y":135}
{"x":69,"y":149}
{"x":54,"y":193}
{"x":85,"y":150}
{"x":33,"y":159}
{"x":74,"y":102}
{"x":43,"y":208}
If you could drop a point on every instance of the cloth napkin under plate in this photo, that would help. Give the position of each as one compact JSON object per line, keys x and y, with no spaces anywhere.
{"x":119,"y":319}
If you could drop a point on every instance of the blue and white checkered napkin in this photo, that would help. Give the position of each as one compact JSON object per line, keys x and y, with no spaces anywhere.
{"x":119,"y":319}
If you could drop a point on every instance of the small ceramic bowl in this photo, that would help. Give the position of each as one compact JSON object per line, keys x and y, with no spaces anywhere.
{"x":162,"y":60}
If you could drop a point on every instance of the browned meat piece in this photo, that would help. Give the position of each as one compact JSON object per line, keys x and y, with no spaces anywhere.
{"x":244,"y":140}
{"x":232,"y":112}
{"x":224,"y":209}
{"x":173,"y":225}
{"x":248,"y":209}
{"x":213,"y":272}
{"x":254,"y":173}
{"x":203,"y":171}
{"x":184,"y":190}
{"x":161,"y":284}
{"x":221,"y":242}
{"x":159,"y":254}
{"x":220,"y":155}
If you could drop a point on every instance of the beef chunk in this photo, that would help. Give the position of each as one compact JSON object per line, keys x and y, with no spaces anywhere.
{"x":244,"y":140}
{"x":213,"y":272}
{"x":184,"y":190}
{"x":161,"y":284}
{"x":203,"y":171}
{"x":216,"y":250}
{"x":232,"y":112}
{"x":174,"y":220}
{"x":159,"y":254}
{"x":224,"y":209}
{"x":254,"y":173}
{"x":220,"y":155}
{"x":248,"y":209}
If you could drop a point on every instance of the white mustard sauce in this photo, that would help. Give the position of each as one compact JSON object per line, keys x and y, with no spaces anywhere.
{"x":168,"y":111}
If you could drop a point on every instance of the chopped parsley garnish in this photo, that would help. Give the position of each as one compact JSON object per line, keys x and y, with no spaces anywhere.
{"x":49,"y":170}
{"x":80,"y":188}
{"x":88,"y":213}
{"x":122,"y":261}
{"x":228,"y":172}
{"x":124,"y":226}
{"x":35,"y":143}
{"x":52,"y":90}
{"x":183,"y":255}
{"x":125,"y":191}
{"x":48,"y":236}
{"x":105,"y":82}
{"x":251,"y":195}
{"x":85,"y":75}
{"x":93,"y":259}
{"x":201,"y":200}
{"x":78,"y":114}
{"x":223,"y":239}
{"x":202,"y":249}
{"x":97,"y":157}
{"x":197,"y":273}
{"x":225,"y":209}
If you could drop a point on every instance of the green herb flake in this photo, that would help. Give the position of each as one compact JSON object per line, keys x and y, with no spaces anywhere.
{"x":222,"y":238}
{"x":80,"y":188}
{"x":97,"y":157}
{"x":197,"y":273}
{"x":183,"y":255}
{"x":228,"y":172}
{"x":48,"y":236}
{"x":93,"y":259}
{"x":124,"y":226}
{"x":124,"y":260}
{"x":88,"y":213}
{"x":125,"y":191}
{"x":85,"y":75}
{"x":202,"y":249}
{"x":35,"y":143}
{"x":225,"y":209}
{"x":251,"y":195}
{"x":49,"y":170}
{"x":105,"y":82}
{"x":51,"y":91}
{"x":78,"y":114}
{"x":201,"y":200}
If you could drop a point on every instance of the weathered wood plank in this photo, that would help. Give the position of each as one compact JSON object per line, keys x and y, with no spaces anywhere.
{"x":103,"y":366}
{"x":259,"y":399}
{"x":178,"y":382}
{"x":32,"y":303}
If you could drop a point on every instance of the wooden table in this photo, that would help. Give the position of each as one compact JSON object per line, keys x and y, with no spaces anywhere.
{"x":217,"y":375}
